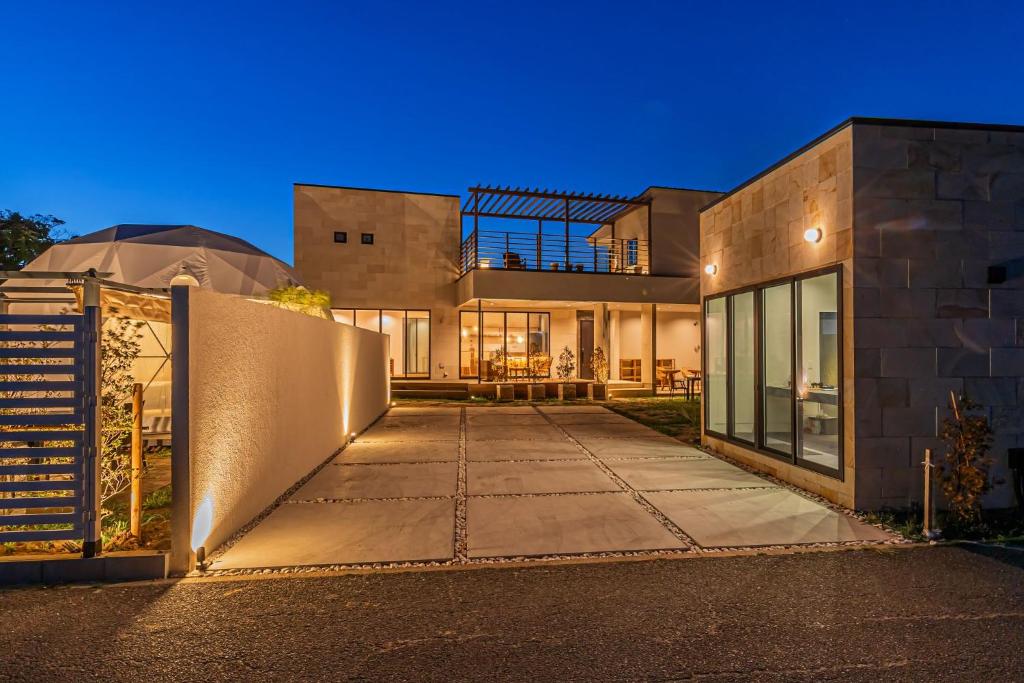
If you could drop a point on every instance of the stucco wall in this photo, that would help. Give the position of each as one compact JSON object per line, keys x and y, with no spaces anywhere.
{"x":934,"y":208}
{"x":271,"y":395}
{"x":756,"y":235}
{"x":413,"y":262}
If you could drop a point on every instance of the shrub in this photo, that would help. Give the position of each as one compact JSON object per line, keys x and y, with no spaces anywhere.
{"x":314,"y":302}
{"x":964,"y":476}
{"x":566,"y":363}
{"x":599,"y":365}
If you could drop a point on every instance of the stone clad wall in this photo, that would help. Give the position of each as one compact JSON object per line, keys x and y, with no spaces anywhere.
{"x":933,"y":209}
{"x":756,"y":235}
{"x":413,"y":262}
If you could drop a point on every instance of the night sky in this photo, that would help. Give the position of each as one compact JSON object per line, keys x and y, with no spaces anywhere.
{"x":206,"y":114}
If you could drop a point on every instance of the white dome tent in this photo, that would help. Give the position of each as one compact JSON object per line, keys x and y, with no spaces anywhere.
{"x":149,"y":259}
{"x":152,"y":255}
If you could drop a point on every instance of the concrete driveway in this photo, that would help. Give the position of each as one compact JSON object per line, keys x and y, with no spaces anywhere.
{"x":454,"y":484}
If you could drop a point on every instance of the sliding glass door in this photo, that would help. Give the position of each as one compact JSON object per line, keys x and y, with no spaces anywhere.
{"x":818,"y":352}
{"x":777,"y":368}
{"x":773,"y":369}
{"x":716,"y":408}
{"x":509,"y":345}
{"x":741,"y":364}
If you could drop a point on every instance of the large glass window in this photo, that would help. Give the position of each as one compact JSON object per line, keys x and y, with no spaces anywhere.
{"x":417,"y":343}
{"x":716,"y":365}
{"x":818,"y":351}
{"x":368,"y":320}
{"x":507,"y":346}
{"x":409,"y":331}
{"x":793,"y":407}
{"x":741,"y":352}
{"x":777,"y":367}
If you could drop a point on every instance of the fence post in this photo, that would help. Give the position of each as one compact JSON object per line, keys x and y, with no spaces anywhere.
{"x":136,"y":495}
{"x":92,"y":543}
{"x":927,"y":527}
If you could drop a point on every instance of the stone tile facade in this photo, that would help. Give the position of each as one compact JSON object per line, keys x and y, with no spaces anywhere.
{"x":934,"y":209}
{"x":917,"y":215}
{"x":412,"y":263}
{"x":756,"y":234}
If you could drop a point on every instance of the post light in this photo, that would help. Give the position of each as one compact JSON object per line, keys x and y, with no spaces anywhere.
{"x":711,"y":269}
{"x":812,"y":235}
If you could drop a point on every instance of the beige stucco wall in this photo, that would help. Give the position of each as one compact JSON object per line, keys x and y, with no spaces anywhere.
{"x":413,"y":262}
{"x":271,"y":394}
{"x":756,"y":235}
{"x":934,"y":208}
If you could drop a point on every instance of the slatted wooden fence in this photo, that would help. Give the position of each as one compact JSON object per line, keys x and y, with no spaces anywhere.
{"x":48,"y":428}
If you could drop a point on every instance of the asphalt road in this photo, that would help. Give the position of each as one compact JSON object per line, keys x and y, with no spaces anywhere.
{"x":929,"y":614}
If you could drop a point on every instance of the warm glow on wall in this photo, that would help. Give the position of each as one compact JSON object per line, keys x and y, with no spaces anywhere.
{"x":711,"y":269}
{"x":812,"y":235}
{"x":202,"y":523}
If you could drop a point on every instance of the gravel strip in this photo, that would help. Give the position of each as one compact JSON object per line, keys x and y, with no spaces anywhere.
{"x":461,"y":541}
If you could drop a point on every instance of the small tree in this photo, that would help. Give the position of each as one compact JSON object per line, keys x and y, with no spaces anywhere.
{"x":23,"y":238}
{"x":599,"y":365}
{"x":314,"y":302}
{"x":566,"y":363}
{"x":964,"y":476}
{"x":120,"y":347}
{"x":498,"y":365}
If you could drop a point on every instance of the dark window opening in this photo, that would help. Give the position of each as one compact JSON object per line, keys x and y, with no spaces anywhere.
{"x":367,"y":238}
{"x":341,"y":237}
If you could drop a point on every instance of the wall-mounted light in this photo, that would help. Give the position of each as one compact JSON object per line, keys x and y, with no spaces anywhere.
{"x":711,"y":269}
{"x":812,"y":235}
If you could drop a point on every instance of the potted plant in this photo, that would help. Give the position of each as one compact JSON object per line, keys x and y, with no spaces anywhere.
{"x":540,"y":367}
{"x":598,"y":390}
{"x":565,"y":370}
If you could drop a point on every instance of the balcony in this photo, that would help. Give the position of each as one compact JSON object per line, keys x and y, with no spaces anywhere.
{"x":488,"y":249}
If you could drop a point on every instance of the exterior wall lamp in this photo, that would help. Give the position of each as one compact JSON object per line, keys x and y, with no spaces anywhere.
{"x":812,"y":235}
{"x":711,"y":269}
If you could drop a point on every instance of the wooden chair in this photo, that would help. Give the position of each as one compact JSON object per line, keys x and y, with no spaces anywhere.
{"x":513,"y":262}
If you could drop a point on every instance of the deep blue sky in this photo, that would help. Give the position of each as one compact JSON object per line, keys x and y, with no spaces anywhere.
{"x":207,"y":113}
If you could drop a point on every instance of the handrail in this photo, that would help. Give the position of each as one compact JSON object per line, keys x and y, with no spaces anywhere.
{"x":491,"y":249}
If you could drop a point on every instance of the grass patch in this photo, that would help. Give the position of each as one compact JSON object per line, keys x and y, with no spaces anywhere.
{"x":676,"y":417}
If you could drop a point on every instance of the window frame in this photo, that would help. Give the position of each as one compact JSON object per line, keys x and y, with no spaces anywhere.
{"x":795,"y":340}
{"x":344,"y":237}
{"x":405,"y":334}
{"x":504,"y":337}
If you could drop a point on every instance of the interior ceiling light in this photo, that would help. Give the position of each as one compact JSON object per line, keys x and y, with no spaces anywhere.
{"x":812,"y":235}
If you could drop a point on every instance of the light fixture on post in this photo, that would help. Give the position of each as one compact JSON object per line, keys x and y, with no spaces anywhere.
{"x":812,"y":235}
{"x":711,"y":269}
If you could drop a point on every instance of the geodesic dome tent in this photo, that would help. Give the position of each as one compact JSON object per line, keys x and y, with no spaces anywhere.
{"x":152,"y":255}
{"x":149,"y":257}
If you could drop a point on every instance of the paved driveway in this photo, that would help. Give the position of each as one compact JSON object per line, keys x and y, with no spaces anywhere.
{"x":453,"y":484}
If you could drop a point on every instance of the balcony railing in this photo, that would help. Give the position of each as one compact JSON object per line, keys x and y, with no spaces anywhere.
{"x":553,"y":253}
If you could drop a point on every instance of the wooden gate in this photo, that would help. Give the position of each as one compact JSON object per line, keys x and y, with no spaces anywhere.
{"x":50,"y":428}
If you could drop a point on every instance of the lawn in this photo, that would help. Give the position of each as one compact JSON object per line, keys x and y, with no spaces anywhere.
{"x":677,"y":417}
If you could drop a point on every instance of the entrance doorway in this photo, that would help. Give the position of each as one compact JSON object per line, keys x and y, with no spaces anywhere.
{"x":586,"y":348}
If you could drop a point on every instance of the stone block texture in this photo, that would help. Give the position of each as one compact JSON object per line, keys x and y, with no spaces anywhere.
{"x":412,"y":263}
{"x":756,"y":234}
{"x":933,"y":210}
{"x":919,"y":218}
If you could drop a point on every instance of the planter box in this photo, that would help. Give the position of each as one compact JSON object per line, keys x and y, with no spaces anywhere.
{"x":506,"y":392}
{"x":567,"y":392}
{"x":536,"y":392}
{"x":597,"y":392}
